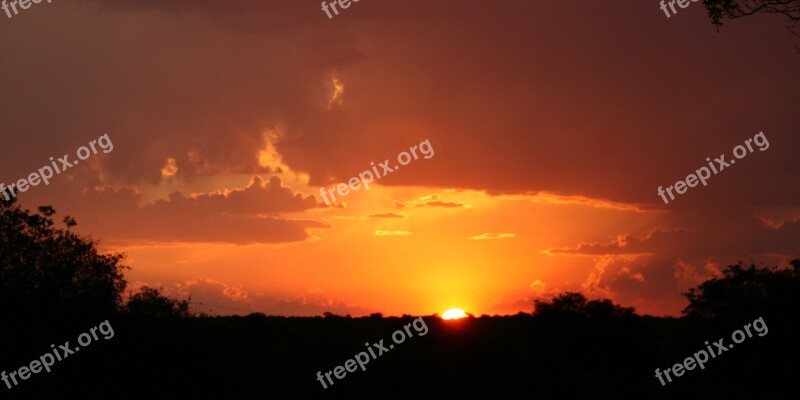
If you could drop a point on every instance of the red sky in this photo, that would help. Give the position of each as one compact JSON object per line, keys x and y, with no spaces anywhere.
{"x":553,"y":124}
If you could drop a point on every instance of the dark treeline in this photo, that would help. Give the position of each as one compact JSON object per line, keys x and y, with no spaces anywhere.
{"x":55,"y":285}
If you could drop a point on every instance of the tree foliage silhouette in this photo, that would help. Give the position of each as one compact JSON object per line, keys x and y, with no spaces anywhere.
{"x":719,"y":10}
{"x":745,"y":291}
{"x":151,"y":303}
{"x":575,"y":303}
{"x":49,"y":273}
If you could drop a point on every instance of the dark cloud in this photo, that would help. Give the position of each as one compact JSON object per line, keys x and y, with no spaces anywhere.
{"x":201,"y":81}
{"x":239,"y":216}
{"x":746,"y":235}
{"x":258,"y":197}
{"x":658,"y":240}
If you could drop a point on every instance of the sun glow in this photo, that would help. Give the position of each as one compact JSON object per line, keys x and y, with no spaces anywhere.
{"x":454,"y":313}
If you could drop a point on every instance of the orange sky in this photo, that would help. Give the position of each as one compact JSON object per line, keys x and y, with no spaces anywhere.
{"x":553,"y":123}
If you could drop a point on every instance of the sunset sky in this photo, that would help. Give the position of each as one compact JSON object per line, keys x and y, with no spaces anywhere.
{"x":553,"y":124}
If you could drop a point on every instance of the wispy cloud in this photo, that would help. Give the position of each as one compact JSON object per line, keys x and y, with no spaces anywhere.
{"x":487,"y":236}
{"x":553,"y":198}
{"x":433,"y":200}
{"x":386,"y":215}
{"x":392,"y":233}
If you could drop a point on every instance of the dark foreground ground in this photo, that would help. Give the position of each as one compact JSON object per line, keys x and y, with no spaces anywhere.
{"x":519,"y":357}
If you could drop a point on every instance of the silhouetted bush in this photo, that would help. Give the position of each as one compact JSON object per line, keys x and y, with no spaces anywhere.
{"x":747,"y":292}
{"x":151,"y":303}
{"x":50,"y":273}
{"x":576,"y":304}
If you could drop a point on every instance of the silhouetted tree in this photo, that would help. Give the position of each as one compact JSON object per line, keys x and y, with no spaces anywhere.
{"x":575,"y":303}
{"x":50,"y":273}
{"x":151,"y":303}
{"x":719,"y":10}
{"x":747,"y":292}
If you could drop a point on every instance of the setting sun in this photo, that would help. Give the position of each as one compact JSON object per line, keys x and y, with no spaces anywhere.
{"x":454,"y":313}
